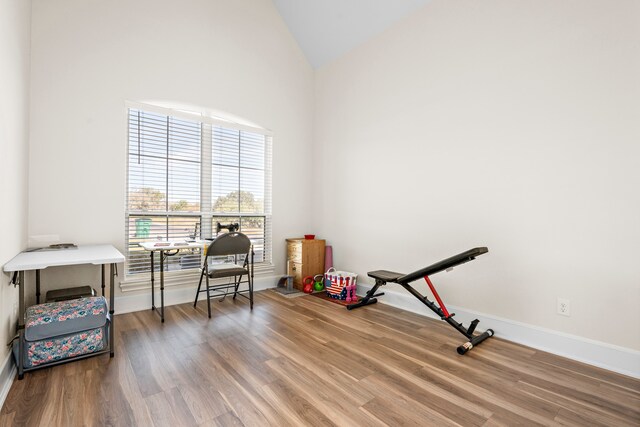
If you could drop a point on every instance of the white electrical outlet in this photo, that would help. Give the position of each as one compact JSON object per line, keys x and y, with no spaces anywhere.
{"x":564,"y":307}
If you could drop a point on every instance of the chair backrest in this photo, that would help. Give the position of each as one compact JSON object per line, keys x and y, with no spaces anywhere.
{"x":229,"y":244}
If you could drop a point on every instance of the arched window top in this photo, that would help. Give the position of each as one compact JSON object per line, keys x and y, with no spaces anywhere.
{"x":201,"y":114}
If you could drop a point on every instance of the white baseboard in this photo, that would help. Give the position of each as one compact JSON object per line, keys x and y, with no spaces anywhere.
{"x":7,"y":375}
{"x":176,"y":295}
{"x":603,"y":355}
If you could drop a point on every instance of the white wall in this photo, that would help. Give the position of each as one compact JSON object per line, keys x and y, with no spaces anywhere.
{"x":88,"y":57}
{"x":512,"y":125}
{"x":507,"y":124}
{"x":14,"y":138}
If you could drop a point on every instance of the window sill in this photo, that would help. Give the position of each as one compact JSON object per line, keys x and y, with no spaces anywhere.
{"x":179,"y":278}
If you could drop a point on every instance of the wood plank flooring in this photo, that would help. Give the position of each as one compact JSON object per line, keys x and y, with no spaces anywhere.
{"x":305,"y":361}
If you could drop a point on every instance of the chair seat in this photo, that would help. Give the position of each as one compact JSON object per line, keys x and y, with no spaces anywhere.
{"x":384,"y":275}
{"x":226,"y":270}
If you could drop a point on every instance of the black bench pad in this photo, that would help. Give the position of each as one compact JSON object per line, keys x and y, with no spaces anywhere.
{"x":384,"y":275}
{"x":453,"y":261}
{"x":390,"y":276}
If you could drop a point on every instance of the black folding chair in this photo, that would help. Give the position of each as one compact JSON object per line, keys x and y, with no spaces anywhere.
{"x":228,"y":250}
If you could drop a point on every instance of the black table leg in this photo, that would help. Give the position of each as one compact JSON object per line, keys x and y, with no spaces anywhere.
{"x":112,"y":274}
{"x":102,"y":268}
{"x":37,"y":286}
{"x":153,"y":290}
{"x":162,"y":285}
{"x":21,"y":325}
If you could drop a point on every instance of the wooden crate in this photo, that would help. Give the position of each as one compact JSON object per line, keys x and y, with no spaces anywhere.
{"x":304,"y":258}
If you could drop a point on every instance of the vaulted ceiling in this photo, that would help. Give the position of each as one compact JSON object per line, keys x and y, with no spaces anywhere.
{"x":327,"y":29}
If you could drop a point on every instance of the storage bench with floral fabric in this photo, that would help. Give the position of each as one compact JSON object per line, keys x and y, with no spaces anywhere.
{"x":63,"y":330}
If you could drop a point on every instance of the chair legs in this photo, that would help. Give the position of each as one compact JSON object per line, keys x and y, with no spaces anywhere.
{"x":237,"y":286}
{"x":250,"y":277}
{"x":208,"y":298}
{"x":205,"y":274}
{"x":237,"y":283}
{"x":199,"y":285}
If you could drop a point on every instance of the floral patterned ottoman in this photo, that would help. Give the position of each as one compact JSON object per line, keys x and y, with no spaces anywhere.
{"x":62,"y":330}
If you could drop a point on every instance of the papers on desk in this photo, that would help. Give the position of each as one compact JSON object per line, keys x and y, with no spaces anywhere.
{"x":163,"y":245}
{"x":54,"y":247}
{"x":170,"y":244}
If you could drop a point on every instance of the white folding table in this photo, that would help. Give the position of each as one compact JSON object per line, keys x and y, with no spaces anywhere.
{"x":166,"y":249}
{"x":40,"y":259}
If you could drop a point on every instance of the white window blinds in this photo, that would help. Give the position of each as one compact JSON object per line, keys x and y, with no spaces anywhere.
{"x":185,"y":177}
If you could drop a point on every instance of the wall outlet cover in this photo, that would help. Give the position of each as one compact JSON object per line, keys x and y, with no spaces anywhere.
{"x":564,"y":307}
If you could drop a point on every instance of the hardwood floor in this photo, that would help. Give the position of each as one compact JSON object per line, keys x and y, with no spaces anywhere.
{"x":305,"y":361}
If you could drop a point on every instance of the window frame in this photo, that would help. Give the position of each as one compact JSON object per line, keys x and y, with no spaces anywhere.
{"x":133,"y":281}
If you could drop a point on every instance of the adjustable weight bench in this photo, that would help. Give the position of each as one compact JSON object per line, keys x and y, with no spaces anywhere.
{"x":383,"y":277}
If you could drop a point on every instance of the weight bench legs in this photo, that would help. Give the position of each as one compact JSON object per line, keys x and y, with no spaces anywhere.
{"x":370,"y":297}
{"x":474,"y":341}
{"x":440,"y":310}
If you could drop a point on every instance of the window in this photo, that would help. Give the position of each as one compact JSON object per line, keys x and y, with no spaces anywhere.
{"x":187,"y":175}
